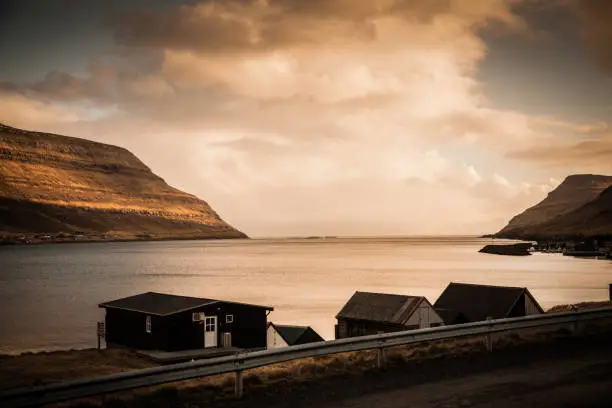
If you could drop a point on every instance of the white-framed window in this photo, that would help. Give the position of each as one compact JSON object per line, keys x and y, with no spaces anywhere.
{"x":229,"y":318}
{"x":148,"y":324}
{"x":210,"y":324}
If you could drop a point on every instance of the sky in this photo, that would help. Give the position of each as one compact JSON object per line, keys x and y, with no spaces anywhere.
{"x":326,"y":117}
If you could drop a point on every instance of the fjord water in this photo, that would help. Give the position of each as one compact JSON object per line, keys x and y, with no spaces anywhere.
{"x":49,"y":293}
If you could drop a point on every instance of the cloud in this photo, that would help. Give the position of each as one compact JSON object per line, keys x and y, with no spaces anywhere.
{"x":306,"y":116}
{"x":595,"y":16}
{"x":264,"y":25}
{"x":575,"y":147}
{"x":373,"y":206}
{"x":590,"y":155}
{"x":19,"y":110}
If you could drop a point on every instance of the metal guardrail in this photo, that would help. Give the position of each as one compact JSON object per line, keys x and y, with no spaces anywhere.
{"x":237,"y":363}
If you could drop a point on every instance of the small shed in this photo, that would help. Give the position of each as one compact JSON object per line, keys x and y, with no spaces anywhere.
{"x":159,"y":321}
{"x":473,"y":303}
{"x":283,"y":335}
{"x":372,"y":313}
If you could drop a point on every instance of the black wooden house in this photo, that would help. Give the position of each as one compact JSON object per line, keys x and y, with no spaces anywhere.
{"x":467,"y":302}
{"x":157,"y":321}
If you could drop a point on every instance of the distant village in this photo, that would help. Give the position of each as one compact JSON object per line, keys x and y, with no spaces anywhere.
{"x":170,"y":328}
{"x":75,"y":236}
{"x":586,"y":248}
{"x":601,"y":247}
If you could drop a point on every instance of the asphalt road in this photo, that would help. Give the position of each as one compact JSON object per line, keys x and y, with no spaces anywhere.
{"x":571,"y":373}
{"x":578,"y":381}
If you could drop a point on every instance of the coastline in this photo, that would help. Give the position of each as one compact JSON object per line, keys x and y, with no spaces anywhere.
{"x":22,"y":240}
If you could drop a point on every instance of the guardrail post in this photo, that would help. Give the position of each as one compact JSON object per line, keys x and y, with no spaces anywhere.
{"x":380,"y":358}
{"x":238,"y":385}
{"x":489,"y":339}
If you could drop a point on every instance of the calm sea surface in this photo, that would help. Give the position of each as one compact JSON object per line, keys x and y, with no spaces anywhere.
{"x":49,"y":293}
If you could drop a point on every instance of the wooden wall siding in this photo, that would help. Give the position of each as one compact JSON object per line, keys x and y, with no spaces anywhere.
{"x":531,"y":307}
{"x":519,"y":308}
{"x":363,"y":328}
{"x":128,"y":328}
{"x":524,"y":306}
{"x":248,"y":328}
{"x":274,"y":340}
{"x":424,"y":316}
{"x":178,"y":331}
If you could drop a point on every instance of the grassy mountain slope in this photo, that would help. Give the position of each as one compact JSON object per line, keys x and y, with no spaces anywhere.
{"x":53,"y":184}
{"x":561,"y":212}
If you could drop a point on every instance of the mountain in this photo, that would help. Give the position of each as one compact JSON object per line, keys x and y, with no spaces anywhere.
{"x":580,"y":206}
{"x":593,"y":219}
{"x":65,"y":188}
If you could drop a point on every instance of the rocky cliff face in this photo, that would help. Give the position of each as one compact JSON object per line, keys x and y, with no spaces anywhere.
{"x":578,"y":207}
{"x":593,"y":219}
{"x":53,"y":184}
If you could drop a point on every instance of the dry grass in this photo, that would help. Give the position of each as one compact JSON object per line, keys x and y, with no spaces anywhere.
{"x":285,"y":376}
{"x":32,"y":369}
{"x":579,"y":306}
{"x":48,"y":367}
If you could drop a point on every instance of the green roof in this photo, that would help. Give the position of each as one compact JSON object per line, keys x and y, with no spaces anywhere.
{"x":291,"y":334}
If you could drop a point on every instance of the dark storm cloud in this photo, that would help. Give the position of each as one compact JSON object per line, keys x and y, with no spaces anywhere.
{"x":62,"y":86}
{"x":183,"y":27}
{"x":350,"y":9}
{"x":225,"y":26}
{"x":37,"y":37}
{"x":255,"y":25}
{"x":596,"y":19}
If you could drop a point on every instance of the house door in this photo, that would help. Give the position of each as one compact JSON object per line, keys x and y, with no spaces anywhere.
{"x":210,"y":331}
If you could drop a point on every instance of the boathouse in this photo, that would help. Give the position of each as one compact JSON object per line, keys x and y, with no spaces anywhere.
{"x":466,"y":302}
{"x":158,"y":321}
{"x":373,"y":313}
{"x":283,"y":335}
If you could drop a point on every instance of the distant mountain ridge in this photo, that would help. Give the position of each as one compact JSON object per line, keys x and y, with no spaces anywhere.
{"x":581,"y":206}
{"x":53,"y":184}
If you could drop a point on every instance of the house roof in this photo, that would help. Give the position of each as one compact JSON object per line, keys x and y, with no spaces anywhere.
{"x":451,"y":316}
{"x":477,"y":302}
{"x":293,"y":334}
{"x":380,"y":307}
{"x":163,"y":304}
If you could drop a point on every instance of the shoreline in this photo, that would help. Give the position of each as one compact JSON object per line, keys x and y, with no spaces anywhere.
{"x":40,"y":241}
{"x":10,"y":240}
